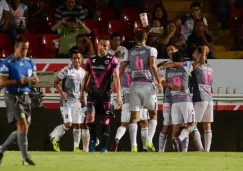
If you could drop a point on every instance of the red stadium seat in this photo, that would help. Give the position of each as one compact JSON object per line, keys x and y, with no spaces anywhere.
{"x":41,"y":26}
{"x":130,"y":15}
{"x":117,"y":26}
{"x":149,"y":3}
{"x":236,"y":18}
{"x":106,"y":14}
{"x":51,"y":42}
{"x":7,"y":52}
{"x":94,"y":25}
{"x":139,"y":26}
{"x":149,"y":11}
{"x":5,"y":41}
{"x":51,"y":13}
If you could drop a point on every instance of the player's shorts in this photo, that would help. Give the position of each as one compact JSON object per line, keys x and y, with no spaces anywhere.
{"x":182,"y":113}
{"x":18,"y":106}
{"x":143,"y":94}
{"x":100,"y":105}
{"x":73,"y":113}
{"x":204,"y":111}
{"x":167,"y":113}
{"x":126,"y":114}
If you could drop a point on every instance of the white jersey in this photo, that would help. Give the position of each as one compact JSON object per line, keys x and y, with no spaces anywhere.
{"x":71,"y":82}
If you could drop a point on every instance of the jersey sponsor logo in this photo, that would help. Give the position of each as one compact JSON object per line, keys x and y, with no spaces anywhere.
{"x":99,"y":67}
{"x":204,"y":87}
{"x":107,"y":62}
{"x":170,"y":75}
{"x":4,"y":68}
{"x":138,"y":52}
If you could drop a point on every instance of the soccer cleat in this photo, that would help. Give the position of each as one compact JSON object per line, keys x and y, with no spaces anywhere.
{"x":150,"y":146}
{"x":103,"y":150}
{"x":92,"y":145}
{"x":77,"y":150}
{"x":145,"y":150}
{"x":56,"y":146}
{"x":134,"y":149}
{"x":1,"y":157}
{"x":176,"y":144}
{"x":115,"y":145}
{"x":28,"y":162}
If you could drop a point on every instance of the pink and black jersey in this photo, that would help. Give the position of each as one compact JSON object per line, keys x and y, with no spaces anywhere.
{"x":139,"y":62}
{"x":202,"y":80}
{"x":101,"y":70}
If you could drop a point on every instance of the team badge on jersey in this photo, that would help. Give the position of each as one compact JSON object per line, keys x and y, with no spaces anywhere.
{"x":107,"y":62}
{"x":93,"y":60}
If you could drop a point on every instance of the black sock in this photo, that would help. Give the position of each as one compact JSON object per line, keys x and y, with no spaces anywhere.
{"x":92,"y":130}
{"x":105,"y":135}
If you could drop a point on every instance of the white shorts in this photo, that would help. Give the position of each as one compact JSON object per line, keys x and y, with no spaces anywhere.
{"x":143,"y":94}
{"x":182,"y":113}
{"x":126,"y":114}
{"x":204,"y":111}
{"x":167,"y":113}
{"x":73,"y":113}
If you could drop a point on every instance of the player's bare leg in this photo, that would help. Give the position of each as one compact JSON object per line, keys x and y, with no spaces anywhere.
{"x":144,"y":133}
{"x":133,"y":129}
{"x":85,"y":137}
{"x":57,"y":134}
{"x":152,"y":124}
{"x":207,"y":135}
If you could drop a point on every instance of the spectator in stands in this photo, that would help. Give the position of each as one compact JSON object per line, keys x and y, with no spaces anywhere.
{"x":160,"y":13}
{"x":37,"y":9}
{"x":156,"y":31}
{"x":187,"y":21}
{"x":115,"y":47}
{"x":70,"y":9}
{"x":18,"y":19}
{"x":4,"y":16}
{"x":172,"y":36}
{"x":84,"y":46}
{"x":68,"y":29}
{"x":198,"y":38}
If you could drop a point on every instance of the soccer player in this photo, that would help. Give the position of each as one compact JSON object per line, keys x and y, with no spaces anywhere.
{"x":171,"y":49}
{"x":102,"y":68}
{"x":202,"y":79}
{"x":182,"y":108}
{"x":17,"y":74}
{"x":142,"y":61}
{"x":71,"y":109}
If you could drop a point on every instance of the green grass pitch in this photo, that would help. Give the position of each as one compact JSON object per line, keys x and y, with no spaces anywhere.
{"x":125,"y":161}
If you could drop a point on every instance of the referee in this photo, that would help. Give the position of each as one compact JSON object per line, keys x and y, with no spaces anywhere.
{"x":17,"y":74}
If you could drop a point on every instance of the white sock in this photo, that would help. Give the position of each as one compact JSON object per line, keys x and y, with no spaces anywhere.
{"x":184,"y":144}
{"x":76,"y":137}
{"x":120,"y":132}
{"x":144,"y":136}
{"x":85,"y":139}
{"x":58,"y":132}
{"x":184,"y":134}
{"x":162,"y":142}
{"x":151,"y":129}
{"x":133,"y":129}
{"x":197,"y":139}
{"x":207,"y":140}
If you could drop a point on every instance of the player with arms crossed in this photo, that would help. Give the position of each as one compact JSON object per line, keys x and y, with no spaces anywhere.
{"x":72,"y":112}
{"x":202,"y":79}
{"x":17,"y":74}
{"x":142,"y":61}
{"x":102,"y":68}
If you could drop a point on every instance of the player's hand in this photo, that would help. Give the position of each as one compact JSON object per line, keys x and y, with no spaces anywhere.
{"x":119,"y":101}
{"x":63,"y":95}
{"x":24,"y":81}
{"x":174,"y":87}
{"x":160,"y":87}
{"x":34,"y":81}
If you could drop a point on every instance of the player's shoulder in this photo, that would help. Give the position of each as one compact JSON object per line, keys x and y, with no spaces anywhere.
{"x":8,"y":60}
{"x":109,"y":56}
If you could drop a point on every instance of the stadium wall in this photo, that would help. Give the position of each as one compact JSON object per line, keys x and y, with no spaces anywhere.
{"x":227,"y":131}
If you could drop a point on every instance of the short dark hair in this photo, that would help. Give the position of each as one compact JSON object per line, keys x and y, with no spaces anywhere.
{"x":115,"y":34}
{"x":177,"y":57}
{"x":140,"y":35}
{"x":172,"y":44}
{"x":105,"y":38}
{"x":19,"y":40}
{"x":74,"y":51}
{"x":195,"y":4}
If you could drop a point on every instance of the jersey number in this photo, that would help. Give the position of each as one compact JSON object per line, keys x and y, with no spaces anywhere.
{"x":177,"y":81}
{"x":208,"y":77}
{"x":139,"y":63}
